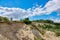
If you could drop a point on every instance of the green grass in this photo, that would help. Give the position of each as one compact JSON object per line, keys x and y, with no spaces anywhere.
{"x":35,"y":38}
{"x":42,"y":28}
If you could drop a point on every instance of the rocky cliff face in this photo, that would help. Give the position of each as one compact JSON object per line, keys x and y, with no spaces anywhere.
{"x":3,"y":37}
{"x":45,"y":31}
{"x":25,"y":33}
{"x":15,"y":31}
{"x":51,"y":36}
{"x":21,"y":31}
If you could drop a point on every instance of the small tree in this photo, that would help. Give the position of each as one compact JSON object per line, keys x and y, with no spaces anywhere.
{"x":11,"y":19}
{"x":27,"y":21}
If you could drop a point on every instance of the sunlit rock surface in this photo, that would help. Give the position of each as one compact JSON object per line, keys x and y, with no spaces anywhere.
{"x":51,"y":36}
{"x":25,"y":34}
{"x":15,"y":31}
{"x":3,"y":38}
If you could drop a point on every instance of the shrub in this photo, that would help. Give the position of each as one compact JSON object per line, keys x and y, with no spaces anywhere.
{"x":5,"y":19}
{"x":49,"y":21}
{"x":57,"y":31}
{"x":27,"y":21}
{"x":0,"y":18}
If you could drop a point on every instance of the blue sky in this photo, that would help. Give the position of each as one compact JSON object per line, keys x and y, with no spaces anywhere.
{"x":22,"y":3}
{"x":34,"y":9}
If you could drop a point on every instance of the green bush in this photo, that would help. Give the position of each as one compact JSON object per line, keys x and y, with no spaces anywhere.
{"x":57,"y":31}
{"x":43,"y":21}
{"x":5,"y":19}
{"x":0,"y":18}
{"x":27,"y":21}
{"x":48,"y":21}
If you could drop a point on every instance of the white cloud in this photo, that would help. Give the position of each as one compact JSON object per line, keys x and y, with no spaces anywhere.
{"x":56,"y":20}
{"x":58,"y":11}
{"x":17,"y":13}
{"x":52,"y":5}
{"x":12,"y":12}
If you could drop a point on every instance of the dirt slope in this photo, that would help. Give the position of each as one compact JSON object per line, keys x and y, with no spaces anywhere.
{"x":9,"y":31}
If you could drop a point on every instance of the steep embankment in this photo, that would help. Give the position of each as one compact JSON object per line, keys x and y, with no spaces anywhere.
{"x":9,"y":30}
{"x":15,"y":31}
{"x":33,"y":31}
{"x":45,"y":31}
